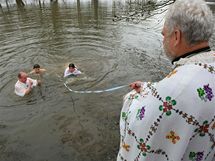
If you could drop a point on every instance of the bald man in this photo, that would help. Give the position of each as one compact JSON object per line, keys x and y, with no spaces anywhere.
{"x":24,"y":85}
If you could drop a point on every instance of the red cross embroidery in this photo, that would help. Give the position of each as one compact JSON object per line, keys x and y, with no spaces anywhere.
{"x":143,"y":147}
{"x":204,"y":128}
{"x":167,"y":106}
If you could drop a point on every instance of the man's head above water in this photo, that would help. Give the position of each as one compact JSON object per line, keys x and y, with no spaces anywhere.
{"x":71,"y":67}
{"x":188,"y":26}
{"x":22,"y":76}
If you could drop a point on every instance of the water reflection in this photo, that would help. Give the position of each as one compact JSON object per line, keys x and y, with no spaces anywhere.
{"x":79,"y":13}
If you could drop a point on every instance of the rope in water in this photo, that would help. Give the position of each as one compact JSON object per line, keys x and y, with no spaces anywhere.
{"x":97,"y":91}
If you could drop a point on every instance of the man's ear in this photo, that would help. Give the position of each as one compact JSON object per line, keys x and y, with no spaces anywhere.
{"x":177,"y":36}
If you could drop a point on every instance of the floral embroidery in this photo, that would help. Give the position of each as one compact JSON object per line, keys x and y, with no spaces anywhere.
{"x":133,"y":96}
{"x":167,"y":106}
{"x":130,"y":132}
{"x":124,"y":116}
{"x":143,"y":147}
{"x":201,"y":92}
{"x":213,"y":145}
{"x":196,"y":156}
{"x":140,"y":113}
{"x":203,"y":129}
{"x":213,"y":126}
{"x":190,"y":120}
{"x":208,"y":92}
{"x":126,"y":147}
{"x":205,"y":93}
{"x":210,"y":68}
{"x":173,"y":137}
{"x":171,"y":74}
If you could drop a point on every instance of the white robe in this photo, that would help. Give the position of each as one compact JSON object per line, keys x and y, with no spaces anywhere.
{"x":20,"y":88}
{"x":173,"y":119}
{"x":67,"y":72}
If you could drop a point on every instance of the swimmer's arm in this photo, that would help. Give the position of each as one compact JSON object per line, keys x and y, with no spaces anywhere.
{"x":79,"y":72}
{"x":43,"y":70}
{"x":31,"y":72}
{"x":28,"y":90}
{"x":68,"y":74}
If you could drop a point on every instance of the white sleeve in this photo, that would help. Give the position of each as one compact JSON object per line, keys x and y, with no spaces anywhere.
{"x":77,"y":72}
{"x":34,"y":81}
{"x":66,"y":72}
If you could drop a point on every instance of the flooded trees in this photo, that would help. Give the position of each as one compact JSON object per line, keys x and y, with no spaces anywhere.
{"x":139,"y":10}
{"x":20,"y":3}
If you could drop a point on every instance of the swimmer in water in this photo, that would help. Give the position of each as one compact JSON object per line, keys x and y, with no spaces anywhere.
{"x":71,"y":70}
{"x":24,"y":85}
{"x":37,"y":70}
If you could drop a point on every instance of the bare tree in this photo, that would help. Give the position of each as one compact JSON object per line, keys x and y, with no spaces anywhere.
{"x":20,"y":3}
{"x":139,"y":10}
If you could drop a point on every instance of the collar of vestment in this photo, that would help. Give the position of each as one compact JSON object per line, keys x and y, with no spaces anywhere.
{"x":203,"y":56}
{"x":192,"y":53}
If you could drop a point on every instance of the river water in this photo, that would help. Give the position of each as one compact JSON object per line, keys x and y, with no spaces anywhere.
{"x":52,"y":123}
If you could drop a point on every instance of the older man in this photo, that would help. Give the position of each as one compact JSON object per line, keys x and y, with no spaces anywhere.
{"x":24,"y":85}
{"x":174,"y":119}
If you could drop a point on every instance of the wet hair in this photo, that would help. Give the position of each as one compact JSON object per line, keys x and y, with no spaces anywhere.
{"x":19,"y":75}
{"x":193,"y":17}
{"x":36,"y":66}
{"x":72,"y":65}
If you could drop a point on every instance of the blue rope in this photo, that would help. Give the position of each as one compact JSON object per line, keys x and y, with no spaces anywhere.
{"x":97,"y":91}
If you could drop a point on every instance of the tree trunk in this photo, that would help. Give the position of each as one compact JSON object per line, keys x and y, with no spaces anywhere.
{"x":20,"y":3}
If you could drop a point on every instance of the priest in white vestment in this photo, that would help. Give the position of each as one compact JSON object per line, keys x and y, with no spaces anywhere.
{"x":174,"y":119}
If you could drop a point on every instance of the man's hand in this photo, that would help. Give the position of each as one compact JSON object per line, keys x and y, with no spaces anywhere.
{"x":136,"y":86}
{"x":30,"y":84}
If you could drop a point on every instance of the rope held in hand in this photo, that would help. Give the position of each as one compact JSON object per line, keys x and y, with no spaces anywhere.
{"x":97,"y":91}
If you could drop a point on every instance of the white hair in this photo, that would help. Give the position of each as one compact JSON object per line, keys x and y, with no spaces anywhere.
{"x":193,"y":17}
